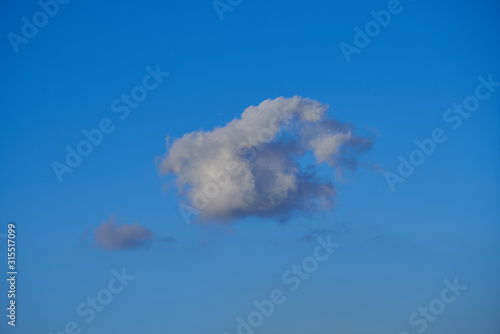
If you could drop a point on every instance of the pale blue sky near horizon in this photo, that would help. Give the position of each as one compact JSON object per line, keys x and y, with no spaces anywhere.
{"x":396,"y":247}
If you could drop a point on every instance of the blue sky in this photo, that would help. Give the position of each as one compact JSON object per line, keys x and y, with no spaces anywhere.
{"x":396,"y":247}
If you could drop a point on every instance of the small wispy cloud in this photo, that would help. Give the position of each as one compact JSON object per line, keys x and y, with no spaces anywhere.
{"x":335,"y":230}
{"x":112,"y":236}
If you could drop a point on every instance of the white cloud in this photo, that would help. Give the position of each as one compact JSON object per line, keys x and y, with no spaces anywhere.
{"x":251,"y":166}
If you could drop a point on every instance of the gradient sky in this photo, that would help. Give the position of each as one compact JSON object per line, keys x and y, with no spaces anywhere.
{"x":397,"y":247}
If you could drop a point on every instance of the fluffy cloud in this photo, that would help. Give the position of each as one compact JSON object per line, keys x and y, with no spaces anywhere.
{"x":111,"y":236}
{"x":256,"y":164}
